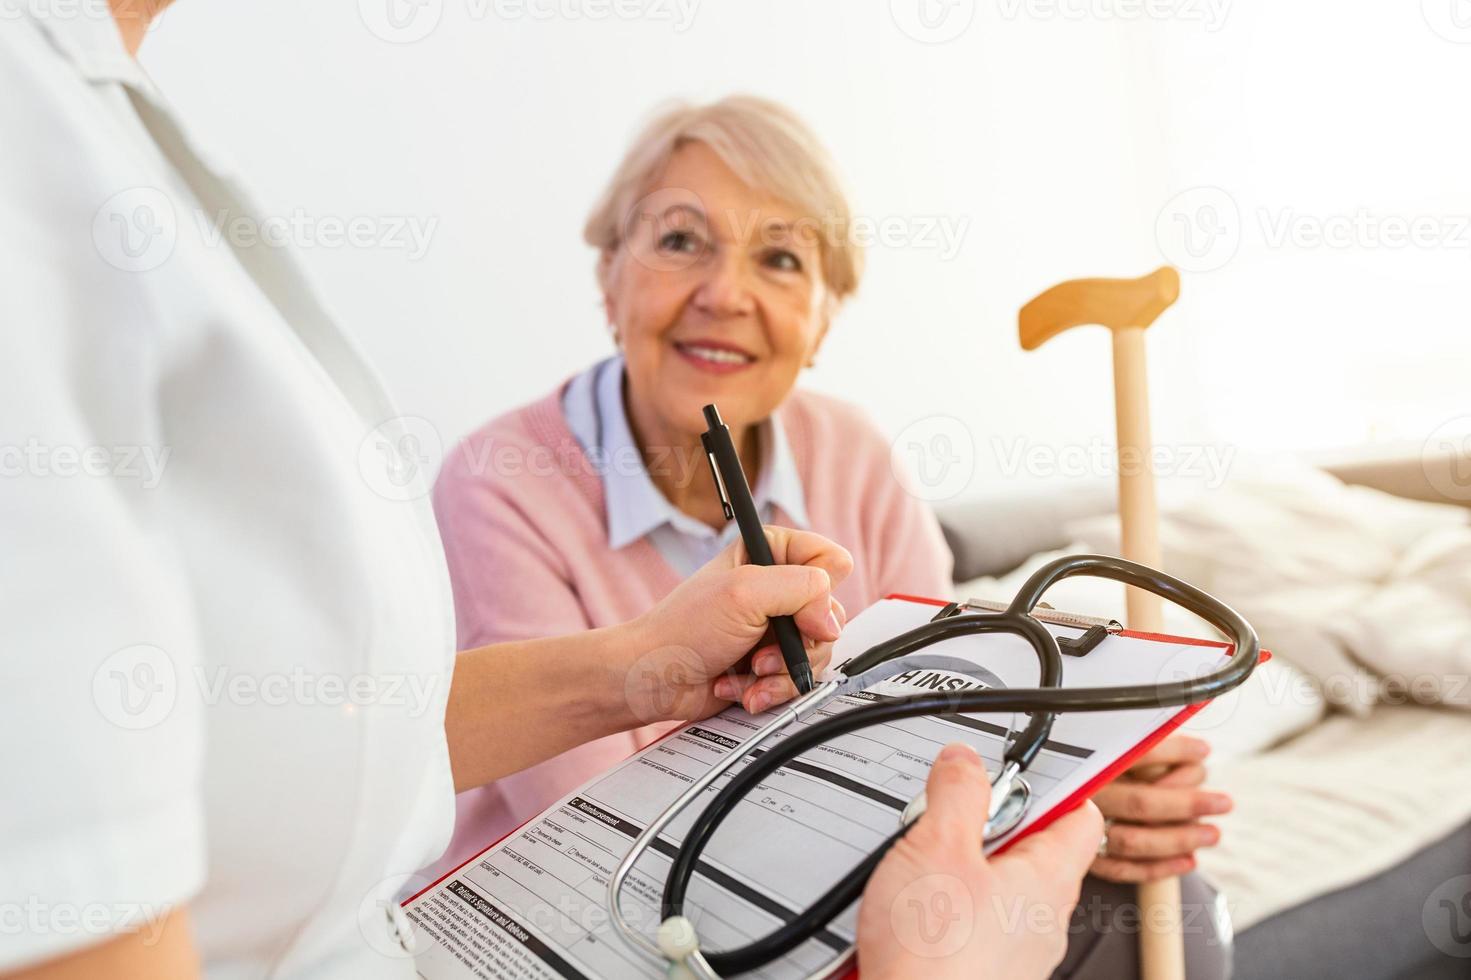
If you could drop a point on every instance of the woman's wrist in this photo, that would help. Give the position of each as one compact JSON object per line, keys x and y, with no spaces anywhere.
{"x":503,"y":696}
{"x":642,"y":680}
{"x":598,"y":674}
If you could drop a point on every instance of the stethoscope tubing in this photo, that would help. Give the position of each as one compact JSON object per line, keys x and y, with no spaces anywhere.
{"x":1041,"y":702}
{"x":804,"y":706}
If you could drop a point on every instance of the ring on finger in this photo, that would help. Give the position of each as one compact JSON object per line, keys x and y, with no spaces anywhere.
{"x":1103,"y":841}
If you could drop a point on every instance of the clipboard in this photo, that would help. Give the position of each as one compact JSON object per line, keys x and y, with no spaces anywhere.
{"x":1125,"y":761}
{"x":531,"y":905}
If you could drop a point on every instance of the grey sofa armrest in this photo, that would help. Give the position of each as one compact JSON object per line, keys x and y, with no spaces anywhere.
{"x":1437,"y":477}
{"x":993,"y":534}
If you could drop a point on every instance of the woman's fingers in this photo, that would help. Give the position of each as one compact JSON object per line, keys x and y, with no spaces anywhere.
{"x":1139,"y":842}
{"x":1137,"y":872}
{"x":792,"y":547}
{"x":819,"y":655}
{"x":804,"y":592}
{"x":1173,"y":751}
{"x":1182,"y":777}
{"x":771,"y":684}
{"x":807,"y":568}
{"x":767,"y":659}
{"x":818,"y":621}
{"x":1149,"y":803}
{"x":829,"y":628}
{"x":755,"y":694}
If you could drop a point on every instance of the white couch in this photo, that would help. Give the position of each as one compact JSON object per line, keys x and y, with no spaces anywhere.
{"x":1353,"y":819}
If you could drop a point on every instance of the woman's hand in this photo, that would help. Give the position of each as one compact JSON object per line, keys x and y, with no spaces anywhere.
{"x":1154,"y":824}
{"x":708,"y":643}
{"x":512,"y":705}
{"x":937,"y":908}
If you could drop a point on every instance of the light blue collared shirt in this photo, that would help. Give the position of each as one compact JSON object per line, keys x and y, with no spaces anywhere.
{"x":593,"y":404}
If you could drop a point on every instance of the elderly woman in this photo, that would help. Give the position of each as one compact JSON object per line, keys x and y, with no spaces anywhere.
{"x":723,"y":254}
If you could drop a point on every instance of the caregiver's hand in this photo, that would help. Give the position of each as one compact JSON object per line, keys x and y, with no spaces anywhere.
{"x":1154,"y":817}
{"x":708,"y":642}
{"x":937,"y":908}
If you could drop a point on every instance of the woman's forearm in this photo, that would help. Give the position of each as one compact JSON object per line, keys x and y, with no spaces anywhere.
{"x":512,"y":705}
{"x":163,"y":950}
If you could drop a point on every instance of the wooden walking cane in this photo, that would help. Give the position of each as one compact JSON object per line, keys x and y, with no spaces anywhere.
{"x":1127,"y":307}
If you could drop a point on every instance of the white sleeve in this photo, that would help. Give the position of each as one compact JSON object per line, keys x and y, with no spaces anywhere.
{"x":101,"y":825}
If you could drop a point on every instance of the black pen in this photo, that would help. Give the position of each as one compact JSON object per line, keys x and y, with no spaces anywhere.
{"x":735,"y":498}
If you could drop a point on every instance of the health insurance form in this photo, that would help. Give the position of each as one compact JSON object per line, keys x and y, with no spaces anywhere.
{"x":534,"y":904}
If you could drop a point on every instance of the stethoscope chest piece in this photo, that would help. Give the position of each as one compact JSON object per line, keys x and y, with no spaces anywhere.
{"x":1014,"y":801}
{"x":1013,"y":807}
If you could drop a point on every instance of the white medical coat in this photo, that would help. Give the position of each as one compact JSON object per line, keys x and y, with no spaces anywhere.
{"x":226,"y":621}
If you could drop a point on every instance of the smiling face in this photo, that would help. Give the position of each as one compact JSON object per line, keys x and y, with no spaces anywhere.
{"x":717,"y":296}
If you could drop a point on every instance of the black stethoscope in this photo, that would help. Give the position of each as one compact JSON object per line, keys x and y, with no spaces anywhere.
{"x":677,"y":943}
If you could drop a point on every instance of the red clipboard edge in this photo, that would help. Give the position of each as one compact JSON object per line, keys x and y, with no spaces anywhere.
{"x":1122,"y":764}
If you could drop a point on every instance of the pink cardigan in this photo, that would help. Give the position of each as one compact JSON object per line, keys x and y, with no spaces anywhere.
{"x":520,"y":509}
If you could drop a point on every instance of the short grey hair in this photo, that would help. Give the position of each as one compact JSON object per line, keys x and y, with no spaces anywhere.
{"x":768,"y":147}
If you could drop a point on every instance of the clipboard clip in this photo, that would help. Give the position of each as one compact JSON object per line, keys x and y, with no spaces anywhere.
{"x":1095,"y":630}
{"x":719,"y":480}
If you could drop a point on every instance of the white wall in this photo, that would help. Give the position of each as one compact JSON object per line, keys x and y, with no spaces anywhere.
{"x":1054,"y":132}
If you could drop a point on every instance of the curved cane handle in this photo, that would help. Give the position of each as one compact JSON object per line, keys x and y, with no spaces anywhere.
{"x":1113,"y":303}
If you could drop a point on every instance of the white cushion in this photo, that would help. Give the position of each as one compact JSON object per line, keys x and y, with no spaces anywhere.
{"x":1277,"y":702}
